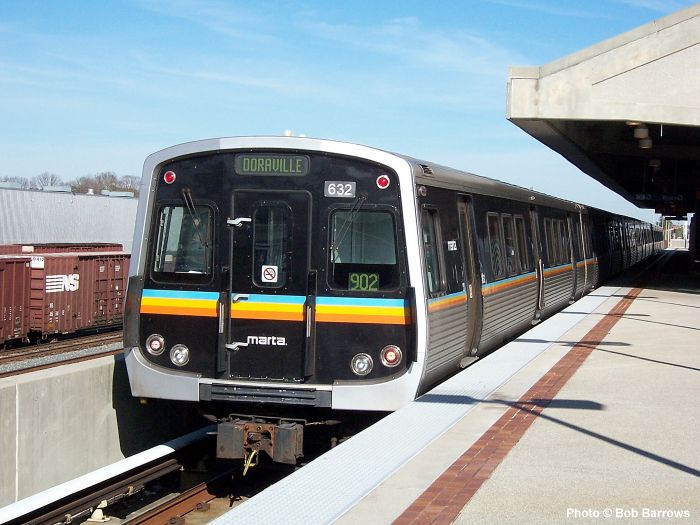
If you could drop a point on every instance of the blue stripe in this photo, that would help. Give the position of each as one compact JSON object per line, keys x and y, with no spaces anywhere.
{"x":447,"y":297}
{"x":276,"y":299}
{"x":359,"y":301}
{"x":494,"y":283}
{"x":180,"y":294}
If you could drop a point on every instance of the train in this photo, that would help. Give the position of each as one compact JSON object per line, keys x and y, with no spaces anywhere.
{"x":288,"y":275}
{"x":50,"y":290}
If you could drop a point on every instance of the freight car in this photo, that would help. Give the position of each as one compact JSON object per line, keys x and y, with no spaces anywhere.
{"x":8,"y":249}
{"x":298,"y":277}
{"x":60,"y":289}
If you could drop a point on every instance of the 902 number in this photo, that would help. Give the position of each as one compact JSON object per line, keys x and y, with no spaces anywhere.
{"x":364,"y":282}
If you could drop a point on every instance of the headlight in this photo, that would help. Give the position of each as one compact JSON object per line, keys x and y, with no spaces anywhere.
{"x":155,"y":344}
{"x":361,"y":364}
{"x":180,"y":355}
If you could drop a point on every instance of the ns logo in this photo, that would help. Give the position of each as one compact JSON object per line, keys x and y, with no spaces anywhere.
{"x":62,"y":283}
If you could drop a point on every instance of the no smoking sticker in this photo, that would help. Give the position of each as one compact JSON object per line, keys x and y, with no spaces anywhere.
{"x":269,"y":274}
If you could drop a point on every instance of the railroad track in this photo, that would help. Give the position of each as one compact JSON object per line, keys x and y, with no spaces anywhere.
{"x":13,"y":360}
{"x":159,"y":487}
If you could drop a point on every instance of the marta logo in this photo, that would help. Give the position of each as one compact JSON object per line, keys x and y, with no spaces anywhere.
{"x":266,"y":340}
{"x":62,"y":283}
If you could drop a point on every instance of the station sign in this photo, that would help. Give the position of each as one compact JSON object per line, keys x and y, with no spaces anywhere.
{"x":659,"y":197}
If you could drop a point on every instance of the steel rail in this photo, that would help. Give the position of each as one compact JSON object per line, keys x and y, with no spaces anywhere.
{"x":86,"y":501}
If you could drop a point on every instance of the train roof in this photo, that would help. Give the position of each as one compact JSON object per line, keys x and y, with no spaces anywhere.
{"x":423,"y":172}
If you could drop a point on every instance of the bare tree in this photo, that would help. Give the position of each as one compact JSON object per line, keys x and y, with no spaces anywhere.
{"x":46,"y":179}
{"x":129,"y":183}
{"x":106,"y":180}
{"x":22,"y":181}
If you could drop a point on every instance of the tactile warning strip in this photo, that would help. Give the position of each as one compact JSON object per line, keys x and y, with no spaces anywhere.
{"x":442,"y":502}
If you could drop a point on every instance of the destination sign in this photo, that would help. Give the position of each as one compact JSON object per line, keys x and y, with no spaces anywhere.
{"x":277,"y":164}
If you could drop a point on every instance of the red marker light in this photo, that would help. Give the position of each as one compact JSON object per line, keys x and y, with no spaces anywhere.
{"x":391,"y":355}
{"x":383,"y":182}
{"x":169,"y":177}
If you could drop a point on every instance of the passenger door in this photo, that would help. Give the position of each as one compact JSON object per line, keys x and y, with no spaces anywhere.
{"x":539,"y":265}
{"x":267,"y":333}
{"x":472,"y":276}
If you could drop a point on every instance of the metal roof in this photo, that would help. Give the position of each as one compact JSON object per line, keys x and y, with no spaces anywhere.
{"x":28,"y":217}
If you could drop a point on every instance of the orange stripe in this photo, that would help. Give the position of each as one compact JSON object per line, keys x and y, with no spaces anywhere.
{"x":502,"y":286}
{"x":361,"y":319}
{"x":550,"y":272}
{"x":434,"y":307}
{"x":270,"y":316}
{"x":176,"y":310}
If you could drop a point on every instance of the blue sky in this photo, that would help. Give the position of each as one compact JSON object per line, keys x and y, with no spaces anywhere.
{"x":97,"y":86}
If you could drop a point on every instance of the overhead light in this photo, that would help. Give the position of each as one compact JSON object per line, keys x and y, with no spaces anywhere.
{"x":641,"y":132}
{"x":645,"y":143}
{"x":633,"y":123}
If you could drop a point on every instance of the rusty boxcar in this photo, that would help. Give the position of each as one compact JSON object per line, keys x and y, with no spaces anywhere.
{"x":64,"y":292}
{"x":28,"y":249}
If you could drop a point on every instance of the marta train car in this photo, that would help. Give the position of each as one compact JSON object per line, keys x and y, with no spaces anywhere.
{"x":282,"y":273}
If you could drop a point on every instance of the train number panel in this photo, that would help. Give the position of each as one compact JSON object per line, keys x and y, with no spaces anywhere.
{"x":270,"y":267}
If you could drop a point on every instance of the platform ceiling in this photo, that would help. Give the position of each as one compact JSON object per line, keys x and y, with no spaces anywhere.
{"x":587,"y":106}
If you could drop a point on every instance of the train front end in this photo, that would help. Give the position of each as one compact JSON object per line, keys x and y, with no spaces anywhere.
{"x":275,"y":272}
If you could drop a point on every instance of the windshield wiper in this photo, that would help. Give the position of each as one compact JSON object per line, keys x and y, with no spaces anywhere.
{"x":192,"y":212}
{"x":345,"y":228}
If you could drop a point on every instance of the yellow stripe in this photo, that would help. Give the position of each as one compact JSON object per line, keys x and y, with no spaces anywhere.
{"x":178,"y":303}
{"x":361,"y":310}
{"x":266,"y":307}
{"x":447,"y":303}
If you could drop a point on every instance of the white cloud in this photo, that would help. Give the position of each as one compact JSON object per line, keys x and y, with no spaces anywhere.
{"x":414,"y":43}
{"x":661,"y":6}
{"x":557,"y":9}
{"x":217,"y":16}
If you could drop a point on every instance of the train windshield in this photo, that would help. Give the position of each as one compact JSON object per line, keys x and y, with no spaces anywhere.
{"x":363,"y":251}
{"x":184,"y":240}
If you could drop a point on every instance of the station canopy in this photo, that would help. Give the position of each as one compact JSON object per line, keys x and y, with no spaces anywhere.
{"x":625,"y":111}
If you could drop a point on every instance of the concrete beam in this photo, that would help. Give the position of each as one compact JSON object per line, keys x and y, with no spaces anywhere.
{"x":650,"y":74}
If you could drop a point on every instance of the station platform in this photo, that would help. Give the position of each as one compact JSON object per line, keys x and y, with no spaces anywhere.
{"x":592,"y":416}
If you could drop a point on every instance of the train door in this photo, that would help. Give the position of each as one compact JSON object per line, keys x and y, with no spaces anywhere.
{"x":268,"y":285}
{"x":574,"y":253}
{"x":472,"y":276}
{"x":539,"y":265}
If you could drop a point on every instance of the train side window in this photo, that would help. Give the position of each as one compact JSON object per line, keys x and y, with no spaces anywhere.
{"x":496,"y":245}
{"x":577,"y":240}
{"x":271,"y":241}
{"x":558,"y":241}
{"x":431,"y":250}
{"x":184,"y":241}
{"x":565,"y":242}
{"x":549,"y":238}
{"x":511,"y":246}
{"x":523,"y":247}
{"x":363,"y":251}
